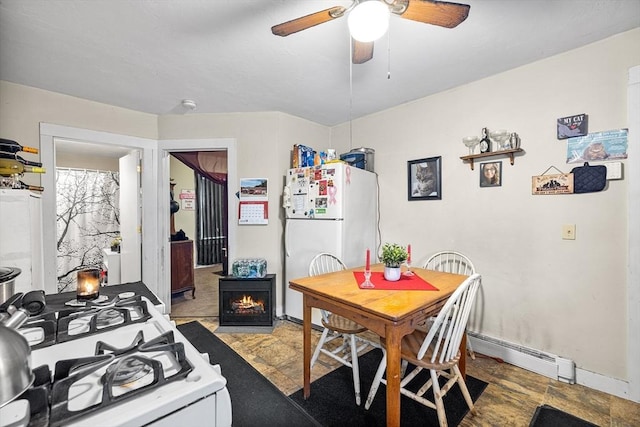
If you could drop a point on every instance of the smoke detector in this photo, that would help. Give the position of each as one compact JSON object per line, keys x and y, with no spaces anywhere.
{"x":189,"y":104}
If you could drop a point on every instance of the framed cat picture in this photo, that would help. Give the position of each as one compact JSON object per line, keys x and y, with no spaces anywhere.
{"x":424,"y":179}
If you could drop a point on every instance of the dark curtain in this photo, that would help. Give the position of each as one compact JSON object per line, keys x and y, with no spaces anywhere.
{"x":211,"y":164}
{"x":211,"y":204}
{"x":211,"y":224}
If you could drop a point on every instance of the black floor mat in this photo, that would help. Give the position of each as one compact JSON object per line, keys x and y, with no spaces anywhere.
{"x":332,"y":400}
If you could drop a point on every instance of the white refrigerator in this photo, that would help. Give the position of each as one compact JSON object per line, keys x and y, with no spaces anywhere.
{"x":21,"y":237}
{"x":330,"y":208}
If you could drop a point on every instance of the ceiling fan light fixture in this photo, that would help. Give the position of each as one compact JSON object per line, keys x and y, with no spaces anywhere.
{"x":369,"y":20}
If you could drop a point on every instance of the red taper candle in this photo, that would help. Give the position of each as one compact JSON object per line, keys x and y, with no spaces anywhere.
{"x":409,"y":253}
{"x":368,"y":261}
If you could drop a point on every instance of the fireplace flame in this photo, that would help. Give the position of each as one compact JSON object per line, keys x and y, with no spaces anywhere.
{"x":247,"y":304}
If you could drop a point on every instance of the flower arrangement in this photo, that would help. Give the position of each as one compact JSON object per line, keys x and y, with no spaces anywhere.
{"x":393,"y":255}
{"x":115,"y":244}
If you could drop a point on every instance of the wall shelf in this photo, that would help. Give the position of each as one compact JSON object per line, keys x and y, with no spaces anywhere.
{"x":510,"y":153}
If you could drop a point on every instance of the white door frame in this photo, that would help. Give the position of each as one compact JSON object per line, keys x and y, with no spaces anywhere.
{"x":633,"y":276}
{"x":48,"y":134}
{"x":156,"y":273}
{"x":164,"y":148}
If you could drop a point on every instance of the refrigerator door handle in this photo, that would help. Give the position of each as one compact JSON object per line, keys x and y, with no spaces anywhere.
{"x":286,"y":239}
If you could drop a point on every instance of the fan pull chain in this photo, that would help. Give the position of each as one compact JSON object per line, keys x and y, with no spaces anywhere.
{"x":389,"y":53}
{"x":350,"y":94}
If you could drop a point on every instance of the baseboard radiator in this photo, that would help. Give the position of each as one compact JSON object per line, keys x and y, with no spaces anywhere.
{"x":542,"y":363}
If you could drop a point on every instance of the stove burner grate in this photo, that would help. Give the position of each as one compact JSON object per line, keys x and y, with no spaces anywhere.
{"x":118,"y":372}
{"x":73,"y":324}
{"x":127,"y":372}
{"x":40,"y":330}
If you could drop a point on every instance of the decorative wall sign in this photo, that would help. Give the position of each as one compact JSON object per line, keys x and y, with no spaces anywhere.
{"x":188,"y":199}
{"x":424,"y":179}
{"x":561,"y":183}
{"x":572,"y":126}
{"x":598,"y":146}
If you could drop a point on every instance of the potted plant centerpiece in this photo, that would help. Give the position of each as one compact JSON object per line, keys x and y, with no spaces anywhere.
{"x":393,"y":256}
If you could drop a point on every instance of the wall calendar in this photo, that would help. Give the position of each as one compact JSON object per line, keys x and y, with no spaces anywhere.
{"x":253,"y":213}
{"x":254,"y":204}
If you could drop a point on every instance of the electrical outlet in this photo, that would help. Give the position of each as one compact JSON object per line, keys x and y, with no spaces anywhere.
{"x":569,"y":232}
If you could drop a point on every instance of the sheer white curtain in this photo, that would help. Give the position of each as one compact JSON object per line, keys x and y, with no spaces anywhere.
{"x":87,"y":220}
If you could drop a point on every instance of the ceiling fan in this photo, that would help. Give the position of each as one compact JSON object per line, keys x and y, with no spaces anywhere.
{"x":443,"y":14}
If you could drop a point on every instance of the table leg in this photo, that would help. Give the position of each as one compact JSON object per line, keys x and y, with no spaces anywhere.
{"x":306,"y":327}
{"x":392,"y":343}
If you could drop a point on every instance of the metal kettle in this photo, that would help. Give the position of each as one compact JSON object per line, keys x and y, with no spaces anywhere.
{"x":15,"y":356}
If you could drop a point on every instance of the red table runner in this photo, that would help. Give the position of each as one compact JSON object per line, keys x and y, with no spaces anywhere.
{"x":406,"y":283}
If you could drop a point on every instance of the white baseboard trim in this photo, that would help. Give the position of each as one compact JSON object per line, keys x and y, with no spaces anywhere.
{"x":545,"y":364}
{"x":603,"y":383}
{"x":539,"y":365}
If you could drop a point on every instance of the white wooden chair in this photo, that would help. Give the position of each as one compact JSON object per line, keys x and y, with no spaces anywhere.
{"x":436,"y":350}
{"x":452,"y":262}
{"x":338,"y":327}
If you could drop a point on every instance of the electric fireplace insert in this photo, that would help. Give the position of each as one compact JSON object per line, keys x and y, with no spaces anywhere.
{"x":247,"y":301}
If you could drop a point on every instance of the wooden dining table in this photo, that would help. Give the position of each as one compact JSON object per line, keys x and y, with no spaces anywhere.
{"x":391,"y":314}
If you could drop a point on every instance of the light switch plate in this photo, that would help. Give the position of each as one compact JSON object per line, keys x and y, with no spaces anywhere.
{"x":569,"y":232}
{"x":614,"y":170}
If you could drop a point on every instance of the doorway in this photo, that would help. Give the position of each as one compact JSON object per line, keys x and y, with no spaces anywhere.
{"x":97,"y":204}
{"x":155,"y":203}
{"x":199,"y":219}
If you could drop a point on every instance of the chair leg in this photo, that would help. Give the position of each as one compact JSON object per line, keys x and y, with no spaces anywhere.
{"x":464,"y":389}
{"x":316,"y":353}
{"x":403,"y":368}
{"x":470,"y":350}
{"x":437,"y":397}
{"x":354,"y":366}
{"x":377,"y":379}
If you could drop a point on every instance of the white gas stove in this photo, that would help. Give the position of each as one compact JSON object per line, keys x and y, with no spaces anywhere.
{"x":124,"y":365}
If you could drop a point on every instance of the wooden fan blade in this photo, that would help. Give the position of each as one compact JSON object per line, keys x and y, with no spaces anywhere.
{"x":443,"y":14}
{"x":362,"y":52}
{"x":307,"y":21}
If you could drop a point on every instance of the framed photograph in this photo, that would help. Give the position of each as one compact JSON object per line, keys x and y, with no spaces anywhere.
{"x":425,"y":179}
{"x":491,"y":174}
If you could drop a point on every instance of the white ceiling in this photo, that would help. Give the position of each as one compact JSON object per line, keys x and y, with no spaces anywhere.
{"x":148,"y":55}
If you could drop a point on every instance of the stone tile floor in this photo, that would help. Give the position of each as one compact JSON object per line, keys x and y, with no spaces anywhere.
{"x":510,"y":399}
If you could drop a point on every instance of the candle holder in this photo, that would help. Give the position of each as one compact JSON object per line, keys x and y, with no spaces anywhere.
{"x":88,"y":284}
{"x":367,"y":272}
{"x":408,"y":272}
{"x":408,"y":262}
{"x":367,"y":280}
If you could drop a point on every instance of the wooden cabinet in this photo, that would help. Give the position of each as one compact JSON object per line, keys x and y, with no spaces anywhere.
{"x":182,"y":279}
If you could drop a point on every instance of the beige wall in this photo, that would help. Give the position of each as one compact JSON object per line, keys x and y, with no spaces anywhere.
{"x":87,"y":161}
{"x":565,"y":297}
{"x":23,"y":108}
{"x":539,"y":291}
{"x":184,"y":176}
{"x":264,"y":142}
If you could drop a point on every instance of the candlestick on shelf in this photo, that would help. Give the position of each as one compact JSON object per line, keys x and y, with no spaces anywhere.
{"x":367,"y":272}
